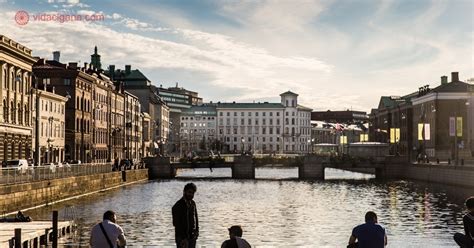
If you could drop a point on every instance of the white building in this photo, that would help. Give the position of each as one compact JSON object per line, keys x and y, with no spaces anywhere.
{"x":51,"y":125}
{"x":283,"y":127}
{"x":198,"y":128}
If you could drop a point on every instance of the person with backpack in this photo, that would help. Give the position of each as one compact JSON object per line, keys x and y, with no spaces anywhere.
{"x":107,"y":233}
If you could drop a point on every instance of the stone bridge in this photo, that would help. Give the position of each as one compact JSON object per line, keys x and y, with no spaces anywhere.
{"x":310,"y":167}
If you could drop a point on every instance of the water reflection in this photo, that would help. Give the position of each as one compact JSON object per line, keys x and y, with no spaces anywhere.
{"x":276,"y":213}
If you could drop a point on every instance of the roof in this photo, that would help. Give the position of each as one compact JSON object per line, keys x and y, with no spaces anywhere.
{"x":265,"y":105}
{"x":135,"y":74}
{"x":304,"y":108}
{"x":207,"y":110}
{"x":288,"y":93}
{"x":452,"y":87}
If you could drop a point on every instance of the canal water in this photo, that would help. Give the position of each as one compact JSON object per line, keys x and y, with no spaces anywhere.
{"x":275,"y":213}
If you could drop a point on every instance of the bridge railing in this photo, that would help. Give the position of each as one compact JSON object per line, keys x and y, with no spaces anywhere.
{"x":48,"y":172}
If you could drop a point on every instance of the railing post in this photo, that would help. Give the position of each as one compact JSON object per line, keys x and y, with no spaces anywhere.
{"x":55,"y":230}
{"x":17,"y":237}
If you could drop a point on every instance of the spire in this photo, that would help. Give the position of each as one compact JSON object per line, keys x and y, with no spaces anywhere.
{"x":95,"y":60}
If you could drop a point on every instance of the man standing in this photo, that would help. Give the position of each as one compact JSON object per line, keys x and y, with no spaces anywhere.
{"x":236,"y":240}
{"x":466,"y":240}
{"x":368,"y":235}
{"x":185,"y":218}
{"x":107,"y":233}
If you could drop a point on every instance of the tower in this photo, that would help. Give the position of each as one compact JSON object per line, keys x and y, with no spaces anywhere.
{"x":95,"y":60}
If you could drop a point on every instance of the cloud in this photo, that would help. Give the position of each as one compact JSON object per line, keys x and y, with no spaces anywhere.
{"x":315,"y":48}
{"x":231,"y":63}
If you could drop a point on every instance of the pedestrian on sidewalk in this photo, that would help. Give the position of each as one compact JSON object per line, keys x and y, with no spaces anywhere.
{"x":466,"y":240}
{"x":107,"y":233}
{"x":368,"y":235}
{"x":185,"y":218}
{"x":236,"y":240}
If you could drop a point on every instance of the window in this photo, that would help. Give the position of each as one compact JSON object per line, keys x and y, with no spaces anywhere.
{"x":241,"y":113}
{"x":221,"y":113}
{"x":67,"y":81}
{"x":242,"y":122}
{"x":278,"y":121}
{"x":249,"y":122}
{"x":292,"y":103}
{"x":264,"y":130}
{"x":287,"y":103}
{"x":228,"y":113}
{"x":27,"y":115}
{"x":277,"y":130}
{"x":20,"y":114}
{"x":263,"y":113}
{"x":235,"y":113}
{"x":292,"y":121}
{"x":286,"y":113}
{"x":256,"y":113}
{"x":256,"y":122}
{"x":250,"y":114}
{"x":278,"y":113}
{"x":5,"y":111}
{"x":13,"y":113}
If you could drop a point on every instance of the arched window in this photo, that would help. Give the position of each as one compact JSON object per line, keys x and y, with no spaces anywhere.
{"x":27,"y":115}
{"x":12,"y":80}
{"x":13,"y":113}
{"x":5,"y":111}
{"x":292,"y":131}
{"x":5,"y":79}
{"x":20,"y":114}
{"x":77,"y":125}
{"x":77,"y":102}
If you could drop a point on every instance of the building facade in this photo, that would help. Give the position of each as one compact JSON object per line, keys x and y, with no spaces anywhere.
{"x":199,"y":129}
{"x":51,"y":136}
{"x":75,"y":83}
{"x":133,"y":127}
{"x":441,"y":120}
{"x":178,"y":100}
{"x":140,"y":86}
{"x":15,"y":92}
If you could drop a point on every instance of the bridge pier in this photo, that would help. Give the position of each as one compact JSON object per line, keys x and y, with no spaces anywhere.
{"x":312,"y":168}
{"x":159,"y":167}
{"x":243,"y":168}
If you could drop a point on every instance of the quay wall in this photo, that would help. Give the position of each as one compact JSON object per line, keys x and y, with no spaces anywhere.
{"x":444,"y":174}
{"x":20,"y":196}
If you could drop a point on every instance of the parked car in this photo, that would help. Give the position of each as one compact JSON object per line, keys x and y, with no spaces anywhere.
{"x":20,"y":165}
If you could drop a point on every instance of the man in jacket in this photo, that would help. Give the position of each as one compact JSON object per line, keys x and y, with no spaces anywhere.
{"x":185,"y":218}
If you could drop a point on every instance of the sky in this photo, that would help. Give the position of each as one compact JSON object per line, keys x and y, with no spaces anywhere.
{"x":336,"y":54}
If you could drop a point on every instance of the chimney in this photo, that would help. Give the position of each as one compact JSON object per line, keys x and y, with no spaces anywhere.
{"x":444,"y":80}
{"x":86,"y":66}
{"x":56,"y":55}
{"x":128,"y":69}
{"x":455,"y":76}
{"x":72,"y":65}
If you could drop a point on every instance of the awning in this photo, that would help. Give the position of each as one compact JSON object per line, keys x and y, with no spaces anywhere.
{"x":156,"y":145}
